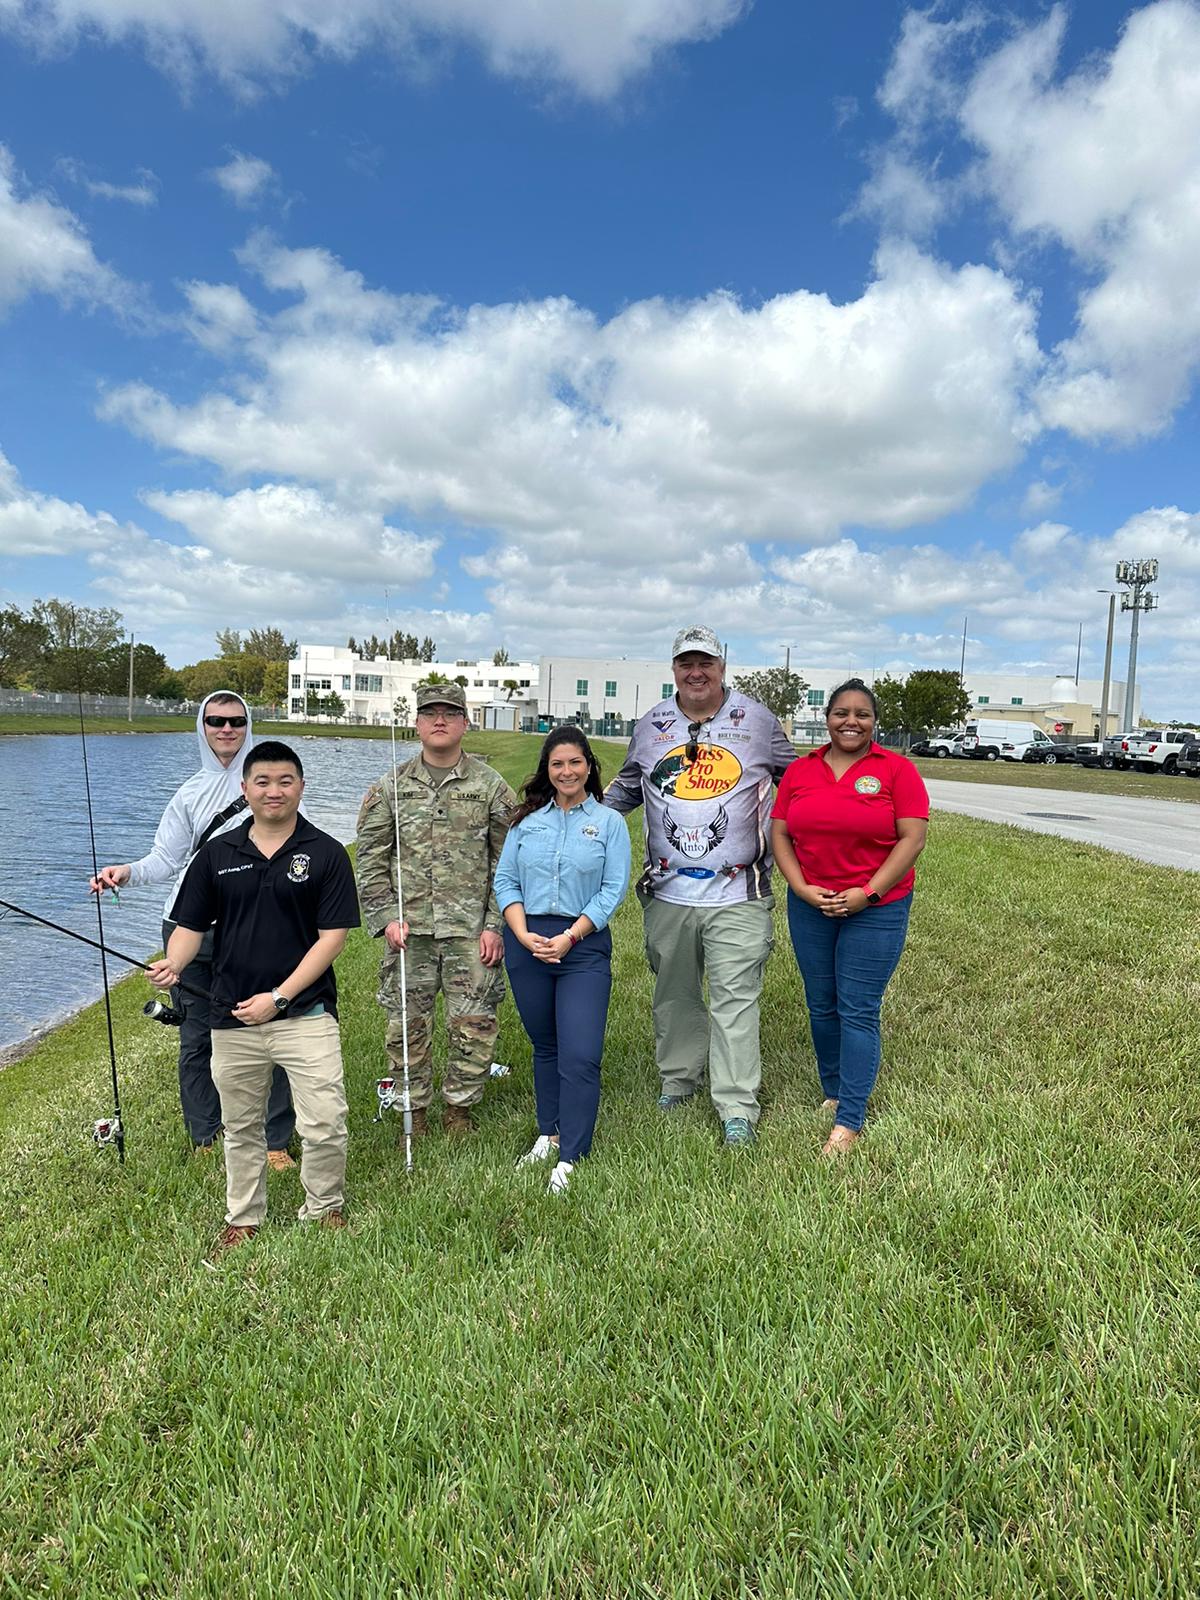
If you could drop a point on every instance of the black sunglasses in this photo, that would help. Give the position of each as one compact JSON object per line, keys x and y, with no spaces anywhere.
{"x":222,"y":722}
{"x":691,"y":750}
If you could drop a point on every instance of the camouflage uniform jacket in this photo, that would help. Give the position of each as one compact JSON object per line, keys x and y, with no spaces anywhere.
{"x":451,"y":836}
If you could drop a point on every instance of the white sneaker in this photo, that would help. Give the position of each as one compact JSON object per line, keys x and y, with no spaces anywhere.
{"x":560,"y":1178}
{"x":542,"y":1149}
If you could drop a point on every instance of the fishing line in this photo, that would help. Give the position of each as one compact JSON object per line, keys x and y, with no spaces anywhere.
{"x":408,"y":1122}
{"x":203,"y":994}
{"x":115,"y":1133}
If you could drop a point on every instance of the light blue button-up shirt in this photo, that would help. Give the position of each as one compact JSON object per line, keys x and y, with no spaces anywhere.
{"x":566,"y":863}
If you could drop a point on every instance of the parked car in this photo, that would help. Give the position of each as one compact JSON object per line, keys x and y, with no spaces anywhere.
{"x":1108,"y":753}
{"x":984,"y":740}
{"x":1047,"y":752}
{"x":1188,"y":761}
{"x":1157,"y":749}
{"x":940,"y":745}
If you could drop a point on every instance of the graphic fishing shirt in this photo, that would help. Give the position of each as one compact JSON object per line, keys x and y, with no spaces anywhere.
{"x":708,"y":820}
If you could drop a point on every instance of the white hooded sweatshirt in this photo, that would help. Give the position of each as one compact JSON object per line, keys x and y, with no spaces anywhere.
{"x":192,"y":807}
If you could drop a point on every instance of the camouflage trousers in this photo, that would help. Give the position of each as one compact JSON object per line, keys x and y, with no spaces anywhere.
{"x":472,"y":994}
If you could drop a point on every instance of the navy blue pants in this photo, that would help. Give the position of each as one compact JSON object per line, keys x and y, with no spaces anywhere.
{"x":846,"y":963}
{"x":564,"y":1009}
{"x":197,"y":1092}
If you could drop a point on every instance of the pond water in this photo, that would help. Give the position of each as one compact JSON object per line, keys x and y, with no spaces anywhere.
{"x":45,"y":855}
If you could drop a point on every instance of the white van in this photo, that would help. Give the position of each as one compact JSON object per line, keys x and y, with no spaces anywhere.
{"x":985,"y":739}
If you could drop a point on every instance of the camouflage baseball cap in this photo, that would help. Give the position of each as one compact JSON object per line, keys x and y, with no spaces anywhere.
{"x":701,"y":639}
{"x":442,"y":694}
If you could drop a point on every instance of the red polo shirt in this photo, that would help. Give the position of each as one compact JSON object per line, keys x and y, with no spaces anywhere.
{"x":842,"y":829}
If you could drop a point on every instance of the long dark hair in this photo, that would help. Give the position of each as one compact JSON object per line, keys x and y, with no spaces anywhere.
{"x":538,"y":791}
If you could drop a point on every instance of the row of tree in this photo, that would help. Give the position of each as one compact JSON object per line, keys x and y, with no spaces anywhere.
{"x":925,"y":700}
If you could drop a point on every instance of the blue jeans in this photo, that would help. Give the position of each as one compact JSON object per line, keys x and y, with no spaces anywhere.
{"x":564,"y":1010}
{"x":846,"y":964}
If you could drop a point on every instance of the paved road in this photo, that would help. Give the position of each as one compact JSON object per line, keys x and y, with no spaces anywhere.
{"x":1166,"y":832}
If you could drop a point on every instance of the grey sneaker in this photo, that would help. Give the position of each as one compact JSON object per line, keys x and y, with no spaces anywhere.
{"x":672,"y":1102}
{"x":738,"y":1131}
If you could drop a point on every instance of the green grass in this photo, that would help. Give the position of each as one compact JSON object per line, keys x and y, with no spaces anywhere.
{"x":964,"y":1363}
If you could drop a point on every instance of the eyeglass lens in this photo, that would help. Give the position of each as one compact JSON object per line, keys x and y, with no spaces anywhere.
{"x":222,"y":722}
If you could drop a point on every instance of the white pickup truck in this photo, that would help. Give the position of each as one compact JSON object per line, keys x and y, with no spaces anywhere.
{"x":1156,"y":749}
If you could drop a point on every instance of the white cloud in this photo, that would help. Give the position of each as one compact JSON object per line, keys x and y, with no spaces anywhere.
{"x":1040,"y":497}
{"x":683,"y":424}
{"x":286,"y":526}
{"x":33,"y":524}
{"x":591,"y":46}
{"x":44,"y":249}
{"x":143,"y":192}
{"x":245,"y":179}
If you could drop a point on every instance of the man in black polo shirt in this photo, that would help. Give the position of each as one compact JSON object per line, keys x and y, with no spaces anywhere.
{"x":281,"y":894}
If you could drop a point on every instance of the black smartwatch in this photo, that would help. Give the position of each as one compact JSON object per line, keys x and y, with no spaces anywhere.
{"x":873,"y":899}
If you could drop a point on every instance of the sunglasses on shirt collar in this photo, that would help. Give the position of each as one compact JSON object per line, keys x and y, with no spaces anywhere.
{"x":691,"y":750}
{"x":223,"y":722}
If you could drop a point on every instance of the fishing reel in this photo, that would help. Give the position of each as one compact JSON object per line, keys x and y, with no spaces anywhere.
{"x":163,"y":1011}
{"x":390,"y":1095}
{"x":107,"y":1130}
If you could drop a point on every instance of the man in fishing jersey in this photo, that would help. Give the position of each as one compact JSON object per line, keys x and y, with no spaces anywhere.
{"x":209,"y":802}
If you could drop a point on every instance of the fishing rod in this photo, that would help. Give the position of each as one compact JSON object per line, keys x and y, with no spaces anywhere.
{"x":105,"y":1130}
{"x":190,"y":988}
{"x":386,"y":1087}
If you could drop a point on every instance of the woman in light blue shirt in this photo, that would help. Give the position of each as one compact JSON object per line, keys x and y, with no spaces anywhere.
{"x":562,"y":873}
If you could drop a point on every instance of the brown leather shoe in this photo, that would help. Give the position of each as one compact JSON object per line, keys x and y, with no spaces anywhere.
{"x":333,"y":1219}
{"x":279,"y":1160}
{"x":457,"y":1121}
{"x":229,"y":1240}
{"x":840,"y":1142}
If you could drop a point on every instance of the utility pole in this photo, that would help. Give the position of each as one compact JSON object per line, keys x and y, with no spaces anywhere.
{"x":1135,"y":575}
{"x":1078,"y":654}
{"x":962,"y":659}
{"x":130,"y":709}
{"x":1102,"y":731}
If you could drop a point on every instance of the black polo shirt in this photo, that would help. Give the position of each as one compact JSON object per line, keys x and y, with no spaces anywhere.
{"x":267,"y":912}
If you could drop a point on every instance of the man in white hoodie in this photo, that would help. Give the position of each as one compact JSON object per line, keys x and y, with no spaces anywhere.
{"x":209,"y":802}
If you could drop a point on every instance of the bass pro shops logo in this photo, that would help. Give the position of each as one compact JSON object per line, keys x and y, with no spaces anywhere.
{"x":714,"y":772}
{"x":298,"y":869}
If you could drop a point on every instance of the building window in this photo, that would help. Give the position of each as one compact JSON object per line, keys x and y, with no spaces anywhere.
{"x":816,"y":697}
{"x":493,"y":683}
{"x":367,"y":683}
{"x":581,"y":686}
{"x":610,"y":688}
{"x":1016,"y":700}
{"x":297,"y":706}
{"x":319,"y":684}
{"x":345,"y":683}
{"x":668,"y":689}
{"x":295,"y":680}
{"x":983,"y":700}
{"x":477,"y":684}
{"x":524,"y":684}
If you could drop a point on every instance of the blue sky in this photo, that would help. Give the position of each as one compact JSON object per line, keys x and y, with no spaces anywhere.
{"x":567,"y":325}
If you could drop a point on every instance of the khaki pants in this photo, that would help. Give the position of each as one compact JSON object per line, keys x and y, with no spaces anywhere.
{"x":731,"y":944}
{"x":309,"y":1051}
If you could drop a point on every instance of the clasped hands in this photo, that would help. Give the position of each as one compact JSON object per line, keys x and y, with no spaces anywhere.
{"x":551,"y":951}
{"x":835,"y":902}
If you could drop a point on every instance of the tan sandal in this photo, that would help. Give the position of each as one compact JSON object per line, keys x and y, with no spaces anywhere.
{"x":840,"y":1142}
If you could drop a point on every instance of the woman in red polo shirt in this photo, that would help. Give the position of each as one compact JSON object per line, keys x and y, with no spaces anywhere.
{"x":848,"y":824}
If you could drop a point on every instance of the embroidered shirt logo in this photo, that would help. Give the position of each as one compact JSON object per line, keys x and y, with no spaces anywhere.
{"x":591,"y":831}
{"x":714,"y":772}
{"x":662,"y":723}
{"x":867,"y":785}
{"x":737,"y":715}
{"x":298,"y":869}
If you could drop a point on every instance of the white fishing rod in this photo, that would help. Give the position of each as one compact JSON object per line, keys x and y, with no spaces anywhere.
{"x":408,"y":1139}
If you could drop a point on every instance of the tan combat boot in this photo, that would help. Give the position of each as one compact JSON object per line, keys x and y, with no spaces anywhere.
{"x":456,"y":1120}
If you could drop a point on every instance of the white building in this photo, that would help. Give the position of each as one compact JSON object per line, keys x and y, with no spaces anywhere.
{"x":616,"y":689}
{"x":369,"y":689}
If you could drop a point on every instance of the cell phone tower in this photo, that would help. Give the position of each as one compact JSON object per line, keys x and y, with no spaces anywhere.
{"x":1135,"y":576}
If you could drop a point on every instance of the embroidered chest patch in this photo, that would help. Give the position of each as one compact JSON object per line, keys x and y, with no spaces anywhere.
{"x":867,"y":785}
{"x":298,"y":869}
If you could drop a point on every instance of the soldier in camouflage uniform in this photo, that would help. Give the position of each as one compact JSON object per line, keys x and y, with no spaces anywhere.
{"x":453,"y":811}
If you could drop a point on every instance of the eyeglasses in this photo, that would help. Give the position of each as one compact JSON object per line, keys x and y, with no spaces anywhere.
{"x":225,"y":722}
{"x":691,"y":750}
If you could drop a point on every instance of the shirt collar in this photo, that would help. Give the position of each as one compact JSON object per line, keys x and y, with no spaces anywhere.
{"x":239,"y":837}
{"x":587,"y":805}
{"x":416,"y":769}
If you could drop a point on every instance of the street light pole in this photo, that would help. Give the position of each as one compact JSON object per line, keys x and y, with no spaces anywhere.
{"x":1102,"y":731}
{"x":130,"y":707}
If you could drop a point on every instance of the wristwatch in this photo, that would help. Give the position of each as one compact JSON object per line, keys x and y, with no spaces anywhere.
{"x":281,"y":1001}
{"x":873,"y":899}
